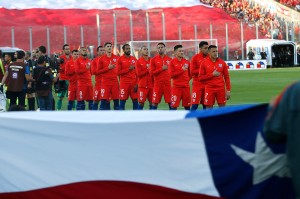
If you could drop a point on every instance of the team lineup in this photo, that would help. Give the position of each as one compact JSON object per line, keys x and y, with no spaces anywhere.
{"x":118,"y":78}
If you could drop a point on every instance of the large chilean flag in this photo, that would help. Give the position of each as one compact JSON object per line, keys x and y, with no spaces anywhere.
{"x":140,"y":155}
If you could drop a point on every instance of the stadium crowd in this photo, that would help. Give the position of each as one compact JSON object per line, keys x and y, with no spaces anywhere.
{"x":250,"y":14}
{"x":116,"y":78}
{"x":294,"y":4}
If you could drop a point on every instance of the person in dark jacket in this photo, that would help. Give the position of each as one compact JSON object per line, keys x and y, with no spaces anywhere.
{"x":282,"y":126}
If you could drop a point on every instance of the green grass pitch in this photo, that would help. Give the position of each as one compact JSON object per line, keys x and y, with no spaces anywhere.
{"x":248,"y":87}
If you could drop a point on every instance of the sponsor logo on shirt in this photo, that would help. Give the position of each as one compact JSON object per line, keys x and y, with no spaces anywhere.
{"x":15,"y":75}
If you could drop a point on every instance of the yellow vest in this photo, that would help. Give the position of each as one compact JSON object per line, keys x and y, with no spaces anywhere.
{"x":1,"y":67}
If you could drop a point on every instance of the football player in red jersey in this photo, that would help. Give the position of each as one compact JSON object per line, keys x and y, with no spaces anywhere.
{"x":109,"y":82}
{"x":214,"y":72}
{"x":63,"y":78}
{"x":180,"y":74}
{"x":128,"y":79}
{"x":84,"y":80}
{"x":198,"y":86}
{"x":145,"y":80}
{"x":72,"y":77}
{"x":159,"y":69}
{"x":98,"y":77}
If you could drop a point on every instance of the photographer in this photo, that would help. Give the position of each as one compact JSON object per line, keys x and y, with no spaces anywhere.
{"x":49,"y":64}
{"x":63,"y":82}
{"x":43,"y":82}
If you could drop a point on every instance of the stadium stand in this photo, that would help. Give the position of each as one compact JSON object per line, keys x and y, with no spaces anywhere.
{"x":249,"y":14}
{"x":295,"y":4}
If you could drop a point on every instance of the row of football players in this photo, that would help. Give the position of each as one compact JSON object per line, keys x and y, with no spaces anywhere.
{"x":118,"y":78}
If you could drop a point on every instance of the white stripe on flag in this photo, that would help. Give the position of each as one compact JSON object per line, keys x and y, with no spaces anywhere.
{"x":38,"y":153}
{"x":95,"y":117}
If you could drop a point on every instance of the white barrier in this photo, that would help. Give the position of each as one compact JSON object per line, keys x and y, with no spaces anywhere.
{"x":246,"y":64}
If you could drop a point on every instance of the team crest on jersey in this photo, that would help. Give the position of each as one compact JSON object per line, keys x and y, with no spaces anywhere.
{"x":114,"y":59}
{"x":148,"y":65}
{"x":186,"y":65}
{"x":132,"y":61}
{"x":220,"y":65}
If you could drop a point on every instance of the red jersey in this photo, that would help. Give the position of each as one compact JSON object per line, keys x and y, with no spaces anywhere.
{"x":180,"y":77}
{"x":62,"y":67}
{"x":126,"y":75}
{"x":70,"y":72}
{"x":109,"y":76}
{"x":84,"y":77}
{"x":142,"y":68}
{"x":160,"y":76}
{"x":98,"y":76}
{"x":195,"y":67}
{"x":206,"y":74}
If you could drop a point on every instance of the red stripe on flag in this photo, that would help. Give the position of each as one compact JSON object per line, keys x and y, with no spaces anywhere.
{"x":107,"y":190}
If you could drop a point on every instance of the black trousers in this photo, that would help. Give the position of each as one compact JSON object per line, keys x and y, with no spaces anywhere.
{"x":14,"y":96}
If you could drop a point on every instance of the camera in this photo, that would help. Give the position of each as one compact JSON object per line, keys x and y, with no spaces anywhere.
{"x":60,"y":85}
{"x":58,"y":60}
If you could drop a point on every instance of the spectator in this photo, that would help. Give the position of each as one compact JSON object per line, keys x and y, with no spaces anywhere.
{"x":250,"y":54}
{"x":247,"y":13}
{"x":236,"y":55}
{"x":263,"y":54}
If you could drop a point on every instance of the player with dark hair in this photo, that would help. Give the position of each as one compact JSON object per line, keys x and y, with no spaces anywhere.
{"x":98,"y":77}
{"x":128,"y":79}
{"x":63,"y":78}
{"x":214,"y":72}
{"x":109,"y":82}
{"x":72,"y":77}
{"x":198,"y":86}
{"x":179,"y":70}
{"x":159,"y":69}
{"x":84,"y":80}
{"x":145,"y":81}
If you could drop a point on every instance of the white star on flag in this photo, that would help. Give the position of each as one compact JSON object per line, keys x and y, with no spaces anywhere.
{"x":264,"y":162}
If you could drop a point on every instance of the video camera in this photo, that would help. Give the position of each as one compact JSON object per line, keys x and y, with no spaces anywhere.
{"x":55,"y":65}
{"x":60,"y":86}
{"x":59,"y":60}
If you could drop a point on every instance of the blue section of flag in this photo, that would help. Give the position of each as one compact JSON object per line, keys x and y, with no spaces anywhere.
{"x":232,"y":176}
